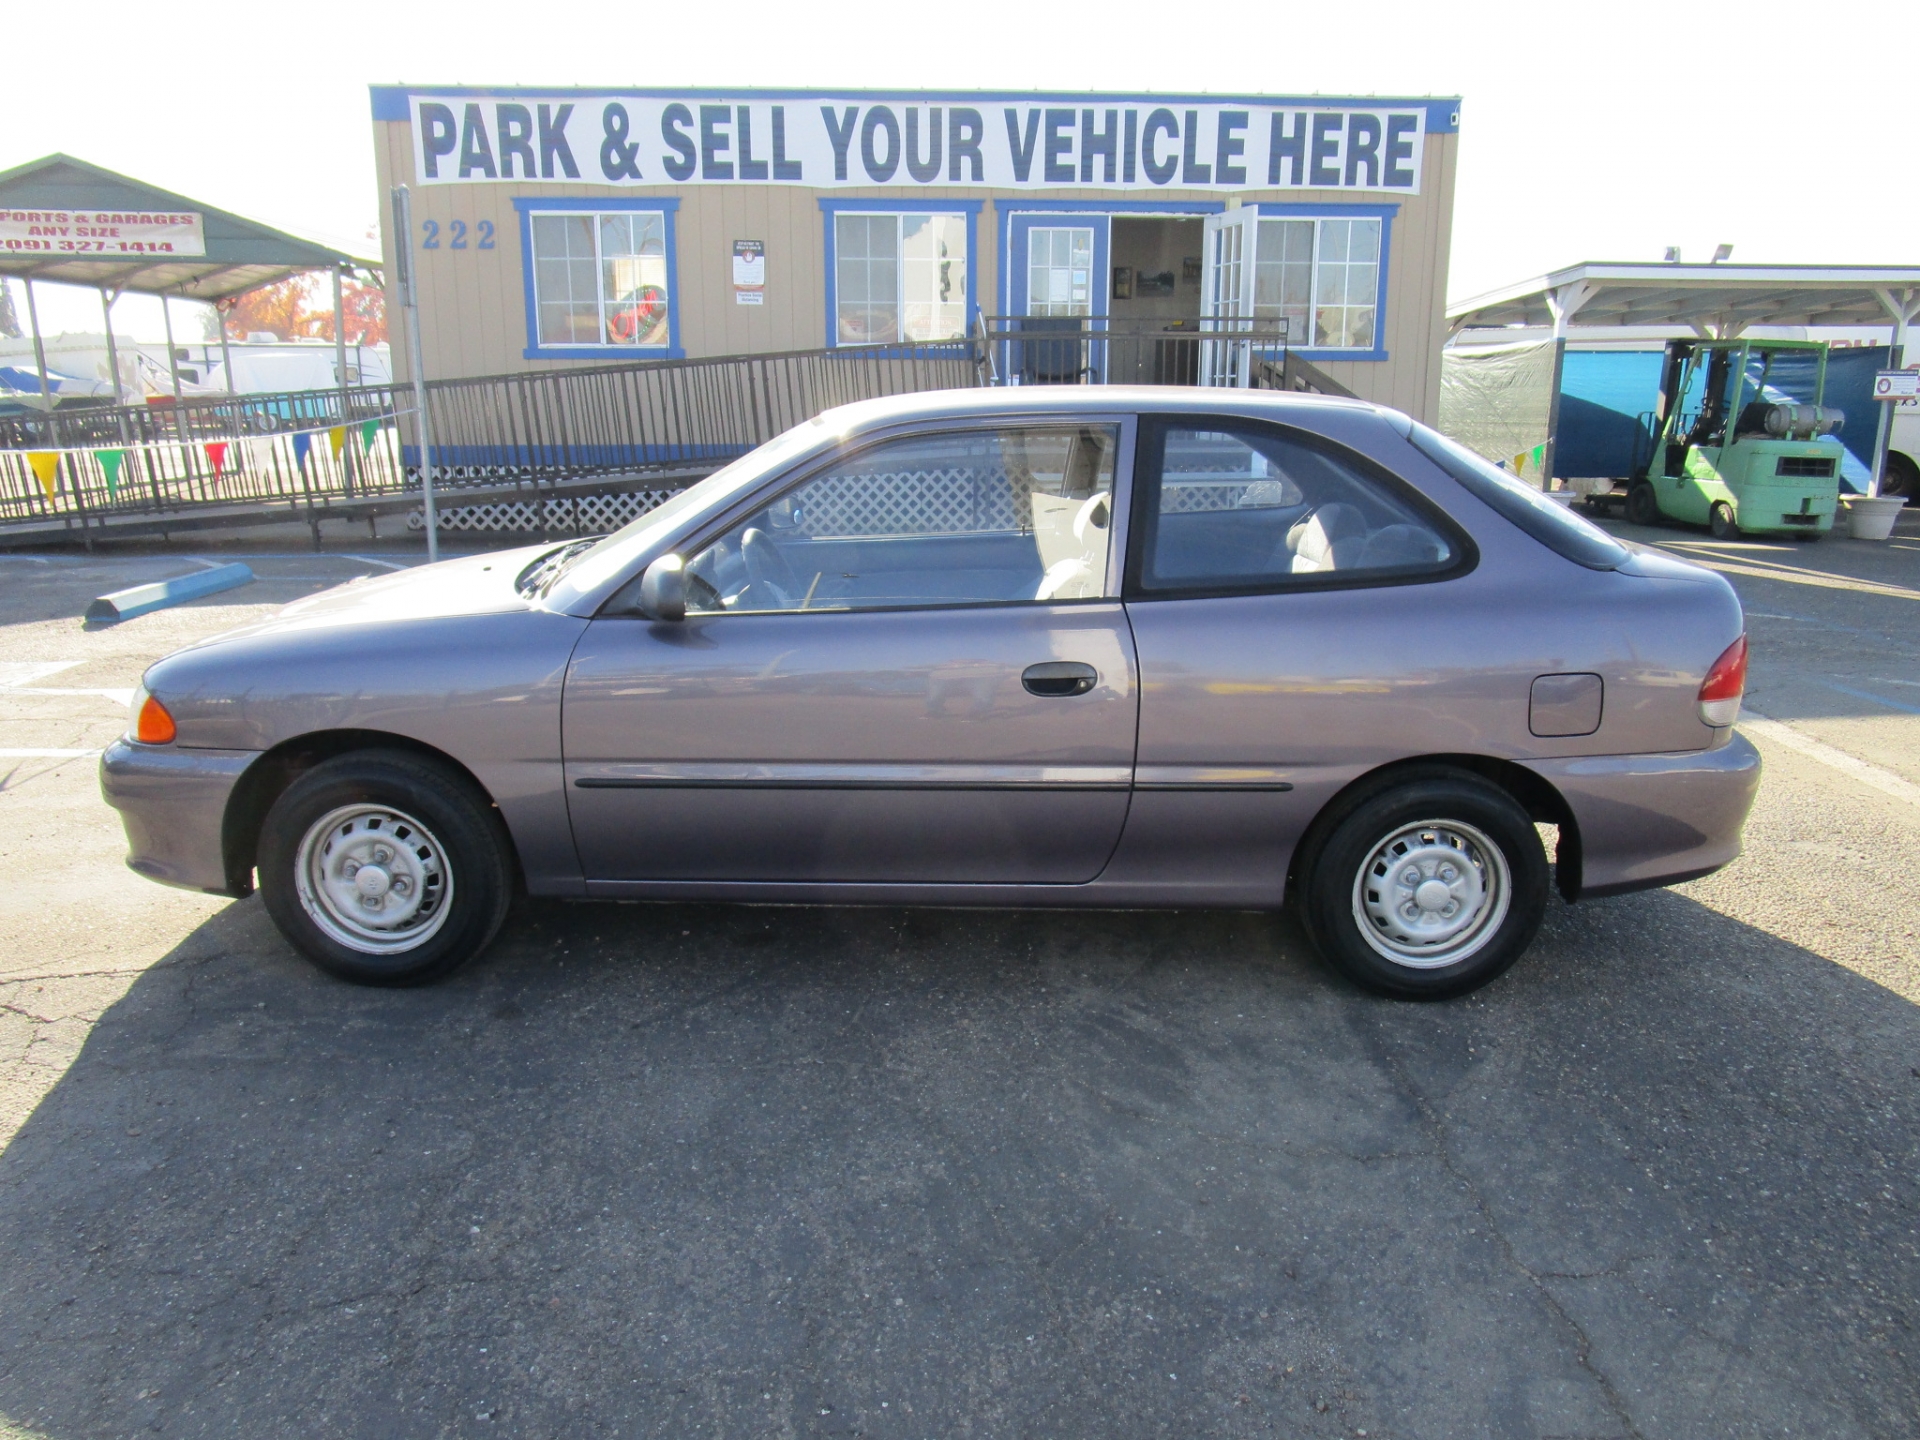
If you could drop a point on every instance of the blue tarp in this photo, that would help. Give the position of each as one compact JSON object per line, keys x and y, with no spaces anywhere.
{"x":26,"y":380}
{"x":1604,"y":394}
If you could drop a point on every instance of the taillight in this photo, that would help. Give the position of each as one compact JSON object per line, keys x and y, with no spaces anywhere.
{"x":1726,"y":682}
{"x":152,"y":725}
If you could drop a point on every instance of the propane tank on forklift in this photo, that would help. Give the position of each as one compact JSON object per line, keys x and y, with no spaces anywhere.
{"x":1723,"y":449}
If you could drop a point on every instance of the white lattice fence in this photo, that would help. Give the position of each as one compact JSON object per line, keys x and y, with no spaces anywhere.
{"x":914,"y":502}
{"x":587,"y":514}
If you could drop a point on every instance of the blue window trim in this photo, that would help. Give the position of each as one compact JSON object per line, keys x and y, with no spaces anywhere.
{"x":532,"y":205}
{"x":887,"y":205}
{"x":1385,"y":214}
{"x":1007,"y":211}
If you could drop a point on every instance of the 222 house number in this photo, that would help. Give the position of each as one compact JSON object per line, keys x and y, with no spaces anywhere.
{"x":456,"y":235}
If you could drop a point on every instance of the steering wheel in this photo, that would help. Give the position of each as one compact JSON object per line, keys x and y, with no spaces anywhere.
{"x":767,"y":566}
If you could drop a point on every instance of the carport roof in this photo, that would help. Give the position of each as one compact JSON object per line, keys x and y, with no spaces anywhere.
{"x":241,"y":254}
{"x":1723,"y":298}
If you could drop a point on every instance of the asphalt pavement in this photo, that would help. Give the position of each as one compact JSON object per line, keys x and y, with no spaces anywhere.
{"x":663,"y":1170}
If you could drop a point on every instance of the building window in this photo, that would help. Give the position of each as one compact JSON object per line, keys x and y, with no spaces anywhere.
{"x":1322,"y":277}
{"x":1060,"y":270}
{"x":899,"y":277}
{"x":601,"y":279}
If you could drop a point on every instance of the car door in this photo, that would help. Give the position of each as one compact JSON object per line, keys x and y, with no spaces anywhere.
{"x":907,"y":667}
{"x":1288,"y":638}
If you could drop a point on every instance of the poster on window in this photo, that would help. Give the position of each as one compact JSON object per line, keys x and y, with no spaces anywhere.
{"x":749,"y":272}
{"x":1144,"y":143}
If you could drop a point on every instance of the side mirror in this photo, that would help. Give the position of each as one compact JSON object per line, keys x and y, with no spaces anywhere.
{"x":663,"y":589}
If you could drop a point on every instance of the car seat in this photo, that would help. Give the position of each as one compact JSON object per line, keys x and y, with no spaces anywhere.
{"x":1330,"y":538}
{"x":1396,"y":547}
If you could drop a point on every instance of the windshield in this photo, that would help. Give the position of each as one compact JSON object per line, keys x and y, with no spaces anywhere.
{"x":583,"y":569}
{"x":1552,"y":524}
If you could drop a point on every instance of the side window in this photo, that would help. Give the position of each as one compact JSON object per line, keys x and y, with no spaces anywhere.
{"x":1258,"y":508}
{"x":975,"y":517}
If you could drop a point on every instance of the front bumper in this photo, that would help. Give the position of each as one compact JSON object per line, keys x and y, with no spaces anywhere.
{"x":173,"y":802}
{"x":1648,"y":820}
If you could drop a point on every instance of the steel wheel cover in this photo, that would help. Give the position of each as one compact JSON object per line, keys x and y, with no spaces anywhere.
{"x":374,"y":879}
{"x":1431,"y":894}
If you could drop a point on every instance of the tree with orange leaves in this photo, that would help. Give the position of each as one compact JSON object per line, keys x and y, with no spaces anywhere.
{"x":301,"y":308}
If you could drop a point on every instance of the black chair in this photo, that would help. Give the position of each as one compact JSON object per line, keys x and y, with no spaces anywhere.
{"x":1060,"y":361}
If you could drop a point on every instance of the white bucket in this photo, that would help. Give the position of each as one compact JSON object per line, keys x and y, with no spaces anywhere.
{"x":1871,"y":517}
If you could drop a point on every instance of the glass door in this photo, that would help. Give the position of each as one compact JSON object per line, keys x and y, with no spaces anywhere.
{"x":1226,"y":304}
{"x":1057,"y":296}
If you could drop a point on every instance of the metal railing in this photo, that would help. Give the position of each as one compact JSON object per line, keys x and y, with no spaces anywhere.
{"x":638,"y":416}
{"x":311,"y":455}
{"x":553,"y":435}
{"x":1112,"y":350}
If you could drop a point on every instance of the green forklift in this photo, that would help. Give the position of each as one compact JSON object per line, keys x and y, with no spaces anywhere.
{"x":1720,"y":452}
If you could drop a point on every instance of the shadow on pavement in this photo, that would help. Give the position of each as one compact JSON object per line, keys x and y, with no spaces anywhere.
{"x":670,"y":1170}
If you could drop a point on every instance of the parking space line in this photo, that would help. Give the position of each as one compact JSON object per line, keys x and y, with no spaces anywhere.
{"x":119,"y":695}
{"x":1791,"y":575}
{"x":14,"y":673}
{"x":1885,"y":781}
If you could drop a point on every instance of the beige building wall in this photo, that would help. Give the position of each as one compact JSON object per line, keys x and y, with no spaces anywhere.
{"x":473,"y":305}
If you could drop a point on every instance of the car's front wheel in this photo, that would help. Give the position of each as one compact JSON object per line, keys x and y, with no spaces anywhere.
{"x":384,"y":868}
{"x":1427,"y":890}
{"x":1721,"y":522}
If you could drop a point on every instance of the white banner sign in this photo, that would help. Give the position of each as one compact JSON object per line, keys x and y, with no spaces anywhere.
{"x":827,"y":143}
{"x":110,"y":233}
{"x":1896,"y":384}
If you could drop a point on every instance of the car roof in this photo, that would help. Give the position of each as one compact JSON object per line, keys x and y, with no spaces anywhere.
{"x":1078,"y":399}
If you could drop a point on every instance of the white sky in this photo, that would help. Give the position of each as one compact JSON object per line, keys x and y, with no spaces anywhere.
{"x":1597,"y":132}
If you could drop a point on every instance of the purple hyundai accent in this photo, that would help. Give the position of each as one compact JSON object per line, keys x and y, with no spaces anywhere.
{"x":1074,"y":646}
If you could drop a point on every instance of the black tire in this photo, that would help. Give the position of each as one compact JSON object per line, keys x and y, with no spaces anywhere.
{"x":1643,"y":506}
{"x":1721,"y":522}
{"x":1902,"y":477}
{"x":1501,"y":870}
{"x":446,"y":876}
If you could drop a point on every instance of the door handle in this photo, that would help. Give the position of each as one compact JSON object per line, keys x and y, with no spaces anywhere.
{"x":1059,"y":678}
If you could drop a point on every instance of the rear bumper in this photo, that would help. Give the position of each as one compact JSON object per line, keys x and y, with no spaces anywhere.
{"x":1648,"y":820}
{"x":173,"y":802}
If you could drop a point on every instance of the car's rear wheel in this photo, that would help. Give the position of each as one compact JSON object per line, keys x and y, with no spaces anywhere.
{"x":384,"y":868}
{"x":1427,"y":890}
{"x":1643,"y":506}
{"x":1721,"y":522}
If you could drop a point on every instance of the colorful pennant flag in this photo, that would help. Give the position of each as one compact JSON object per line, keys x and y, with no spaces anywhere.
{"x":336,"y":437}
{"x":1519,"y":462}
{"x":46,"y":467}
{"x":216,"y":456}
{"x":1539,"y":453}
{"x":368,"y":430}
{"x":110,"y":462}
{"x":302,"y":443}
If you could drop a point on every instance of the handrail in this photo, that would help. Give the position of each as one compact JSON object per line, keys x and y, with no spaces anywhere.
{"x":640,"y":423}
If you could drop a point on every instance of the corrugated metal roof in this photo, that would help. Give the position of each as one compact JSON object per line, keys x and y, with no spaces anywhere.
{"x":1719,"y":296}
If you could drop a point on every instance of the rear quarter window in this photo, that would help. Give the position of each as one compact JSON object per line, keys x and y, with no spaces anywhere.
{"x":1568,"y":535}
{"x":1236,"y":506}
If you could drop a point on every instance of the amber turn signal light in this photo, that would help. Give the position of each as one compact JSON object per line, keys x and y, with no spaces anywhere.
{"x":153,"y":725}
